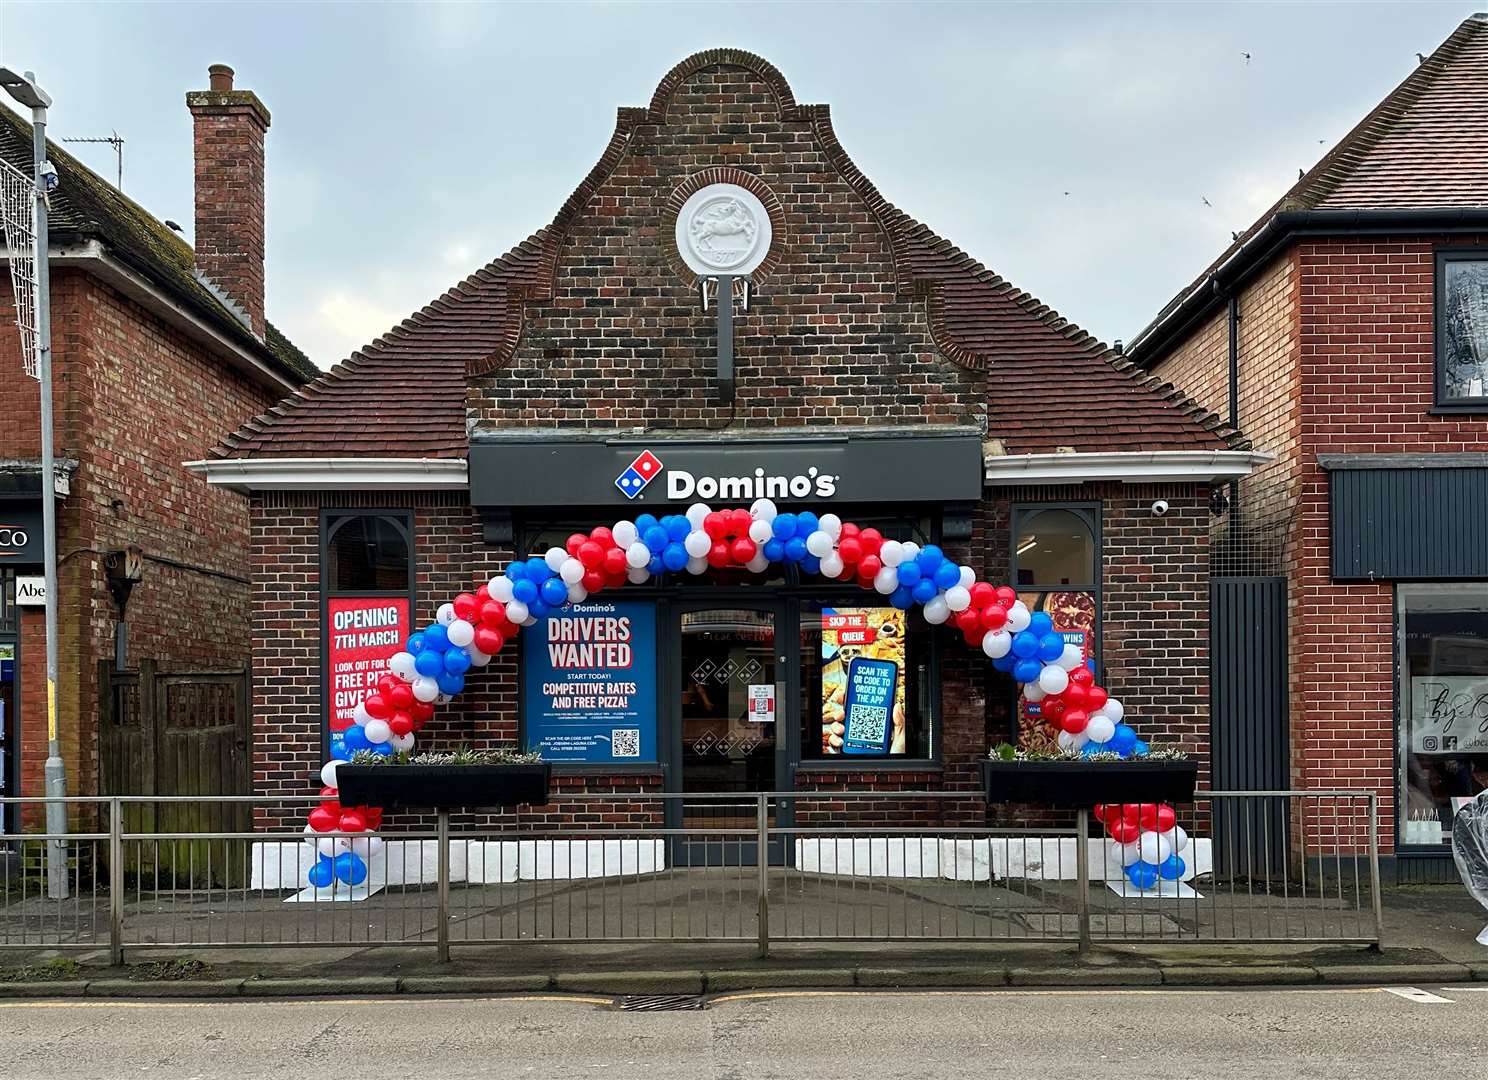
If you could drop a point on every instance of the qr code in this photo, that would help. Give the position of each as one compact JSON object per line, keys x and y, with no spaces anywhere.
{"x":625,"y":742}
{"x":866,"y":723}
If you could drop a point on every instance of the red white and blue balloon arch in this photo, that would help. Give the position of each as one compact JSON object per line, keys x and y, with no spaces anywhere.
{"x":473,"y":627}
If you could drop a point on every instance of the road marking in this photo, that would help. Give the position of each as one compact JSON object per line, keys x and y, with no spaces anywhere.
{"x":1416,"y":994}
{"x":754,"y":995}
{"x":401,"y":1000}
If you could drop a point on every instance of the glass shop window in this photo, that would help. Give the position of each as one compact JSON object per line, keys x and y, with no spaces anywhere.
{"x":1054,"y":548}
{"x":368,"y":553}
{"x":1443,"y":726}
{"x":865,"y":681}
{"x":1462,"y":329}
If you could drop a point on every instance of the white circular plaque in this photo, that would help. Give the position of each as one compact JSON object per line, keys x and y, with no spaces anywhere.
{"x":723,"y":229}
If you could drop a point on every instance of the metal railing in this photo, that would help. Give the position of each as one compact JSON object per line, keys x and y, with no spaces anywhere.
{"x":1262,"y":867}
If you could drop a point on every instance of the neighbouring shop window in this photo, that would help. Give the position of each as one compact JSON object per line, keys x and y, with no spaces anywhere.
{"x":1443,"y":699}
{"x":1056,"y":569}
{"x":865,"y":682}
{"x":1462,"y":329}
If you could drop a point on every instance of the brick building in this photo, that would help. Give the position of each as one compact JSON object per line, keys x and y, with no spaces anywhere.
{"x":153,"y":346}
{"x":1345,"y":332}
{"x":875,"y":371}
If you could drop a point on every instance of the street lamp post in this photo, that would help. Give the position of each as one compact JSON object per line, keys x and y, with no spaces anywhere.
{"x":23,"y":88}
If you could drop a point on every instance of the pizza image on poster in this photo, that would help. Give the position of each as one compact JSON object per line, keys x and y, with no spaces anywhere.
{"x":863,"y":681}
{"x":1074,"y":615}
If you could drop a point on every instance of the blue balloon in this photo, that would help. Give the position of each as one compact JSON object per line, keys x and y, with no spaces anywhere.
{"x":811,"y":564}
{"x":1092,"y":748}
{"x":908,"y":572}
{"x":525,"y":591}
{"x":415,"y":643}
{"x":516,"y":571}
{"x":1142,"y":874}
{"x":655,"y":566}
{"x":538,"y":570}
{"x":1172,"y":868}
{"x":355,"y":738}
{"x":677,"y":527}
{"x":539,"y":610}
{"x":655,"y":538}
{"x":429,"y":663}
{"x":674,"y":558}
{"x":382,"y":749}
{"x":451,"y":684}
{"x":323,"y":872}
{"x":784,"y":526}
{"x":947,"y":575}
{"x":795,"y":549}
{"x":929,"y":558}
{"x":436,"y":638}
{"x":1027,"y":671}
{"x":350,"y":868}
{"x":1025,"y":644}
{"x":1004,"y":663}
{"x":774,"y":550}
{"x":1091,"y":665}
{"x":643,"y":522}
{"x":456,"y":662}
{"x":1040,"y":623}
{"x":901,"y":598}
{"x":1051,"y":646}
{"x":924,"y":591}
{"x":339,"y":750}
{"x":806,"y":524}
{"x":1124,"y":740}
{"x":1140,"y":749}
{"x":554,"y":592}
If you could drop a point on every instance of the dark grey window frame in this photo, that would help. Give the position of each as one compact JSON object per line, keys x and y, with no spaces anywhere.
{"x":1092,"y":513}
{"x":1443,"y":405}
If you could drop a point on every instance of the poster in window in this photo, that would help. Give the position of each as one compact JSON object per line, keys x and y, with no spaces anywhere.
{"x":863,"y":677}
{"x":362,"y":633}
{"x":1074,"y":615}
{"x":589,"y":683}
{"x":1449,"y":714}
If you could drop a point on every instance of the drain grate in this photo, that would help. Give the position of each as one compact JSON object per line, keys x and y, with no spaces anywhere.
{"x":660,"y":1002}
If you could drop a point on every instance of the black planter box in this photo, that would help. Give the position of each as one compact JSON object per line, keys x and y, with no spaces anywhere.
{"x":445,"y":787}
{"x":1085,"y":783}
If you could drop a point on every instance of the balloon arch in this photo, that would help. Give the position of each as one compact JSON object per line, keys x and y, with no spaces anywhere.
{"x":473,"y":627}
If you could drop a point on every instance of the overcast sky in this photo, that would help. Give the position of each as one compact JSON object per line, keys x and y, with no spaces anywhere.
{"x":1071,"y":147}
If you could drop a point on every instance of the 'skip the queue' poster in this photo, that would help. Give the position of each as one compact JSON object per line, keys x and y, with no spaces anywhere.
{"x":863,"y":677}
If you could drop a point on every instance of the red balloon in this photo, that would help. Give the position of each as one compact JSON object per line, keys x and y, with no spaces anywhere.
{"x":328,"y":793}
{"x":973,"y":635}
{"x":716,"y":525}
{"x":1131,"y":813}
{"x":614,"y":563}
{"x":322,"y":820}
{"x":574,"y":542}
{"x":849,"y":550}
{"x":488,"y":641}
{"x":982,"y":594}
{"x":993,"y":616}
{"x":386,"y":682}
{"x":493,"y":614}
{"x":402,"y":723}
{"x":341,"y":723}
{"x":870,"y":566}
{"x":373,"y":814}
{"x":422,"y":711}
{"x":353,"y":821}
{"x":402,"y":695}
{"x":593,"y":580}
{"x":872,"y":540}
{"x":615,"y":578}
{"x":969,"y":619}
{"x":1100,"y":811}
{"x":718,"y":554}
{"x":602,"y":536}
{"x":1147,"y":817}
{"x":1166,"y":817}
{"x":1007,"y":596}
{"x":743,"y":550}
{"x":465,"y":606}
{"x":482,"y":596}
{"x":739,"y":522}
{"x":1053,"y":707}
{"x":1075,"y":696}
{"x":377,"y":705}
{"x":1074,"y":720}
{"x":1123,"y":833}
{"x":1081,"y":676}
{"x":510,"y":630}
{"x":1096,"y":696}
{"x":592,"y":555}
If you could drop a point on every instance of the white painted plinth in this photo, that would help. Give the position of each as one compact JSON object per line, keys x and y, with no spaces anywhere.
{"x":1164,"y":890}
{"x":1033,"y":858}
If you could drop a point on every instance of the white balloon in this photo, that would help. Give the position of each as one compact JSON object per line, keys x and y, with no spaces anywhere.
{"x":577,"y":594}
{"x":1177,"y":839}
{"x":1033,"y":691}
{"x":570,"y":571}
{"x":637,"y":574}
{"x":957,"y":598}
{"x":1066,"y":741}
{"x":378,"y":731}
{"x":460,"y":633}
{"x":891,"y":553}
{"x":757,"y":565}
{"x":443,"y":699}
{"x":1099,"y":728}
{"x":997,"y":643}
{"x":886,"y":580}
{"x":1155,"y":849}
{"x":637,"y":554}
{"x":401,"y":665}
{"x":1053,"y":679}
{"x":516,"y":612}
{"x":1018,"y":617}
{"x":477,"y":658}
{"x":500,"y":588}
{"x":831,"y":565}
{"x":555,"y":557}
{"x":819,"y":544}
{"x":695,"y":514}
{"x":530,"y":620}
{"x":625,"y":534}
{"x":425,"y":689}
{"x":1114,"y":709}
{"x":968,"y":577}
{"x":1130,"y":853}
{"x":910,"y":549}
{"x":360,"y":716}
{"x":760,"y":510}
{"x":402,"y":743}
{"x":328,"y":774}
{"x":1071,"y":658}
{"x":696,"y":564}
{"x":697,"y":544}
{"x":760,"y":531}
{"x":1081,"y":739}
{"x":326,"y":845}
{"x":445,"y":615}
{"x":936,"y":611}
{"x":831,"y":524}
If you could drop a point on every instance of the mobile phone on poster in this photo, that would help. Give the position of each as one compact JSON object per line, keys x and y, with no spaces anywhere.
{"x":868,"y":706}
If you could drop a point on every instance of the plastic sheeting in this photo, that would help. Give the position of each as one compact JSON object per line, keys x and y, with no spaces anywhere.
{"x":1470,"y":850}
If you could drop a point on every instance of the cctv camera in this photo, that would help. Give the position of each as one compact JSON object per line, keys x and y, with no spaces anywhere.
{"x":49,"y":178}
{"x":1159,"y":507}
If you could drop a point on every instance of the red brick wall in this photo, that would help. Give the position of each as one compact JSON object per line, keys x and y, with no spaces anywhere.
{"x":228,"y":132}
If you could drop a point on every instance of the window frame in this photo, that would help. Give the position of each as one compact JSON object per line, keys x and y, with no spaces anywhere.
{"x":1441,"y":403}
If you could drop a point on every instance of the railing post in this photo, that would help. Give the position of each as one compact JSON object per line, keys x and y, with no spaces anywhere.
{"x":1374,"y":871}
{"x":1082,"y":876}
{"x":116,"y":883}
{"x":762,"y":858}
{"x":443,"y":843}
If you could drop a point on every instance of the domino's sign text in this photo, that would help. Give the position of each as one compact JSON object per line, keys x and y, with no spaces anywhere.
{"x":682,"y":484}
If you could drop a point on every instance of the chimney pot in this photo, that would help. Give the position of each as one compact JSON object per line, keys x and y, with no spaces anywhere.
{"x":220,"y":78}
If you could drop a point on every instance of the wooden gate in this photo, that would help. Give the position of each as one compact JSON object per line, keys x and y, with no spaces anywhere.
{"x":178,"y":734}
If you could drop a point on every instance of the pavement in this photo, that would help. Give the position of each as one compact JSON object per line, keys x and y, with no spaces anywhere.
{"x":1321,"y":1033}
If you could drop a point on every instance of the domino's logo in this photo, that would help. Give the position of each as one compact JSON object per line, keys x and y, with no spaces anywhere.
{"x":641,"y":472}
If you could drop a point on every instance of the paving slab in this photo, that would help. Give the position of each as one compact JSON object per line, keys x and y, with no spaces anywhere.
{"x":43,"y":989}
{"x":630,"y":982}
{"x":350,"y":986}
{"x":772,"y":978}
{"x":933,"y":976}
{"x":1085,"y":976}
{"x":181,"y":988}
{"x":473,"y":984}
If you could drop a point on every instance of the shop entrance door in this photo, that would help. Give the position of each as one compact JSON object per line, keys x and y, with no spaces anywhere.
{"x":732,"y":698}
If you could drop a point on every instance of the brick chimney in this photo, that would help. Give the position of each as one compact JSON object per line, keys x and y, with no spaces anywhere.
{"x":228,"y":138}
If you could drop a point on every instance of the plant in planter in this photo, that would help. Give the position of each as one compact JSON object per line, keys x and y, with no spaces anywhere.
{"x":1073,"y":778}
{"x":500,"y":777}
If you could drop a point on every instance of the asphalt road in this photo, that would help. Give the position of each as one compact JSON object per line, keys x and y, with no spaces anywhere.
{"x":1294,"y":1034}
